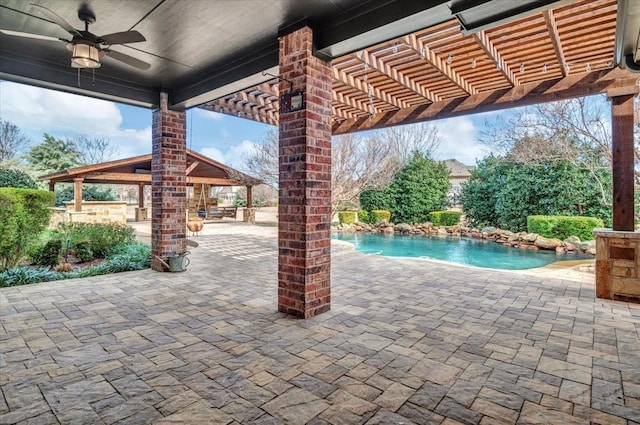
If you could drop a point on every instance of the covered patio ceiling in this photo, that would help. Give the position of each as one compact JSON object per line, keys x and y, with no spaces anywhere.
{"x":426,"y":54}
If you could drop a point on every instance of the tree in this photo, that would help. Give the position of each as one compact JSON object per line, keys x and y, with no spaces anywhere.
{"x":12,"y":141}
{"x":54,"y":155}
{"x":262,"y":161}
{"x":502,"y":192}
{"x":90,"y":192}
{"x":94,"y":150}
{"x":419,"y":188}
{"x":575,"y":130}
{"x":357,"y":161}
{"x":16,"y":178}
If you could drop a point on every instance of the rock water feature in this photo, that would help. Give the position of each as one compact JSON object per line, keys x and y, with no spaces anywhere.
{"x":521,"y":240}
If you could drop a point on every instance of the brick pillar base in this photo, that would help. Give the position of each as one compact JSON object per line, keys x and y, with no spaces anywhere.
{"x":304,"y":210}
{"x":168,"y":184}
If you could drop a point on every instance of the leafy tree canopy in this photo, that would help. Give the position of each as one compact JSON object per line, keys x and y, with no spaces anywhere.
{"x":419,"y":188}
{"x":16,"y":178}
{"x":54,"y":155}
{"x":502,"y":192}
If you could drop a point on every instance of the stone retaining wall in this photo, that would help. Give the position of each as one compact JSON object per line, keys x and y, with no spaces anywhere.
{"x":521,"y":240}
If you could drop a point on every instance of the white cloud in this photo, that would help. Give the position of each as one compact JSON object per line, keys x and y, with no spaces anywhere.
{"x":234,"y":155}
{"x":459,"y":140}
{"x":37,"y":111}
{"x":208,"y":114}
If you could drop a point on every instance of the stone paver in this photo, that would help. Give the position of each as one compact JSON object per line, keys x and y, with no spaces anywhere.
{"x":406,"y":341}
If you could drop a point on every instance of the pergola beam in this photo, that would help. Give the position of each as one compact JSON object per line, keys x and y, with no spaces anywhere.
{"x":406,"y":82}
{"x":483,"y":40}
{"x":552,"y":27}
{"x":573,"y":86}
{"x":360,"y":85}
{"x":435,"y":61}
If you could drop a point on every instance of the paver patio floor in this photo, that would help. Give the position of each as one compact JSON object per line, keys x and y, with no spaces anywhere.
{"x":407,"y":341}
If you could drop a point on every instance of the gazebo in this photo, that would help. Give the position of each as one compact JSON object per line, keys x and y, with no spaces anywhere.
{"x":322,"y":68}
{"x":201,"y":173}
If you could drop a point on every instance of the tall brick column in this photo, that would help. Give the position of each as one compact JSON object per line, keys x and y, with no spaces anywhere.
{"x":304,"y":209}
{"x":168,"y":184}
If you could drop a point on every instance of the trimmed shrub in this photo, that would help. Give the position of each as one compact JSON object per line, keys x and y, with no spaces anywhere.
{"x":561,"y":227}
{"x":83,"y":250}
{"x":445,"y":218}
{"x":100,"y":236}
{"x":347,"y":217}
{"x":363,"y":216}
{"x":373,"y":199}
{"x":380,"y":215}
{"x":51,"y":254}
{"x":24,"y":214}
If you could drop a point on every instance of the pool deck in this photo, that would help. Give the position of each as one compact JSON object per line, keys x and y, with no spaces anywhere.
{"x":406,"y":341}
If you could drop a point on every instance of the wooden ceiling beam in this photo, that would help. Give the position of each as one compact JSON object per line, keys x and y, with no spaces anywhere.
{"x":435,"y":61}
{"x":360,"y":85}
{"x":192,"y":167}
{"x":482,"y":39}
{"x":552,"y":29}
{"x":383,"y":68}
{"x":572,"y":86}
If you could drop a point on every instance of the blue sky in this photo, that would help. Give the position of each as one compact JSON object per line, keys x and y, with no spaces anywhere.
{"x":225,"y":138}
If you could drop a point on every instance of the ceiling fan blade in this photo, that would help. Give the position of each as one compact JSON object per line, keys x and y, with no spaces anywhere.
{"x":30,"y":35}
{"x":124,"y":37}
{"x":129,"y":60}
{"x":56,"y":19}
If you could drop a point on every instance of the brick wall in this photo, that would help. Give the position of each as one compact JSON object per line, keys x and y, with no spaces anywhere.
{"x":168,"y":183}
{"x":304,"y":210}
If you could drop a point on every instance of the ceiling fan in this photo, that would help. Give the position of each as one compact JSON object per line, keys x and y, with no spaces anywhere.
{"x":86,"y":48}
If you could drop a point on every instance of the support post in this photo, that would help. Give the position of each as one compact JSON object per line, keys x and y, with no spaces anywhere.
{"x":52,"y":186}
{"x":168,"y":184}
{"x":304,"y":209}
{"x":618,"y":250}
{"x":141,"y":195}
{"x":622,"y":161}
{"x":77,"y":194}
{"x":249,"y":197}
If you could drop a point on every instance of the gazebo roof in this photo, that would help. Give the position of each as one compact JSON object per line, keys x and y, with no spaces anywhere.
{"x":137,"y":169}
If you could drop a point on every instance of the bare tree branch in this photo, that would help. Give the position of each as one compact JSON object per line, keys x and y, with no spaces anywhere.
{"x":12,"y":141}
{"x":95,"y":150}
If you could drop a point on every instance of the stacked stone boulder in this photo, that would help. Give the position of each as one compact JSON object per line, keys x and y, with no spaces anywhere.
{"x":521,"y":240}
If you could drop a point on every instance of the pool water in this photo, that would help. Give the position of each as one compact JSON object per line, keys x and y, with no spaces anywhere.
{"x":472,"y":252}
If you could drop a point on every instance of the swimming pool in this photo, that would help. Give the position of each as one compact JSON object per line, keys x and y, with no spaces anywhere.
{"x":472,"y":252}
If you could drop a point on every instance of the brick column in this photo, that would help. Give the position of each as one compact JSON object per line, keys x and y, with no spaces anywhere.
{"x":168,"y":183}
{"x":304,"y":210}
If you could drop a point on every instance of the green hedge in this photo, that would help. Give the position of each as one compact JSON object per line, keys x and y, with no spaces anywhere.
{"x":347,"y":217}
{"x":561,"y":227}
{"x":24,"y":214}
{"x":445,"y":218}
{"x":101,"y":237}
{"x":363,"y":216}
{"x":380,"y":215}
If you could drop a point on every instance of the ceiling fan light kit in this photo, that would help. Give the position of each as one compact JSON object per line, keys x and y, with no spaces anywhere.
{"x":84,"y":54}
{"x":86,"y":48}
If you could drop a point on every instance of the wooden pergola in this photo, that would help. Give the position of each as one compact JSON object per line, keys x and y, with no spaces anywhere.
{"x":137,"y":171}
{"x":444,"y":71}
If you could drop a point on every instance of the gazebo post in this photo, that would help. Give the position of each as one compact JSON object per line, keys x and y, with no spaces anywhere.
{"x":249,"y":213}
{"x":618,"y":249}
{"x":141,"y":211}
{"x":77,"y":194}
{"x":52,"y":186}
